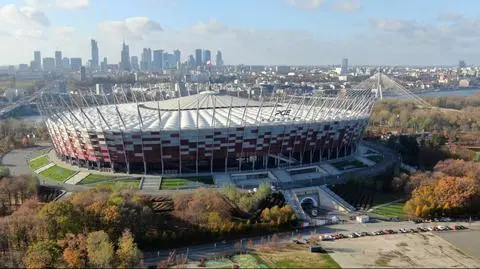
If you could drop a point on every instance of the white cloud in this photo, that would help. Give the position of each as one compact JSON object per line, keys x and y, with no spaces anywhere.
{"x":61,"y":4}
{"x":130,"y":28}
{"x":23,"y":23}
{"x":306,"y":4}
{"x":347,"y":5}
{"x":450,"y":16}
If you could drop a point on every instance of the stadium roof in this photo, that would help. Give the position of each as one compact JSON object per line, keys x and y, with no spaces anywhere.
{"x":205,"y":111}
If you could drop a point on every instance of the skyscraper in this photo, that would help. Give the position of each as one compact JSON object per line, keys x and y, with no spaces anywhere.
{"x":344,"y":67}
{"x":146,"y":63}
{"x":58,"y":60}
{"x":158,"y":60}
{"x":134,"y":62}
{"x":207,"y":56}
{"x":95,"y":56}
{"x":462,"y":64}
{"x":75,"y":64}
{"x":125,"y":58}
{"x":191,"y":61}
{"x":104,"y":64}
{"x":66,"y":63}
{"x":177,"y":57}
{"x":49,"y":64}
{"x":219,"y":59}
{"x":198,"y":57}
{"x":37,"y":59}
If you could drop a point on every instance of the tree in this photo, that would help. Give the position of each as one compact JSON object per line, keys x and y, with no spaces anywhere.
{"x":75,"y":252}
{"x":100,"y":249}
{"x":43,"y":254}
{"x":128,"y":253}
{"x":60,"y":218}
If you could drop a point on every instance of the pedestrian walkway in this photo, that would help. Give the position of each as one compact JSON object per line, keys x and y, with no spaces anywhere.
{"x":365,"y":161}
{"x":330,"y":169}
{"x":151,"y":183}
{"x":74,"y":180}
{"x":43,"y":168}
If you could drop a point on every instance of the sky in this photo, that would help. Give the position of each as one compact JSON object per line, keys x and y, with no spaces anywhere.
{"x":266,"y":32}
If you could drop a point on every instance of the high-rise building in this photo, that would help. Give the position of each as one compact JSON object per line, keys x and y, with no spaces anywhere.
{"x":134,"y":62}
{"x":198,"y":57}
{"x":146,"y":63}
{"x":66,"y":63}
{"x":178,"y":56}
{"x":49,"y":64}
{"x":207,"y":56}
{"x":83,"y":73}
{"x":344,"y":67}
{"x":158,"y":60}
{"x":75,"y":64}
{"x":95,"y":56}
{"x":191,"y":61}
{"x":219,"y":59}
{"x":104,"y":64}
{"x":58,"y":59}
{"x":37,"y":59}
{"x":125,"y":58}
{"x":462,"y":64}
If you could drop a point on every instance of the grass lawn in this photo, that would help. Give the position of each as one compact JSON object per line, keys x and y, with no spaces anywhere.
{"x":57,"y":173}
{"x":383,"y":198}
{"x":295,"y":256}
{"x":173,"y":183}
{"x":348,"y":163}
{"x":391,"y":210}
{"x":93,"y":178}
{"x":40,"y":162}
{"x":375,"y":158}
{"x":118,"y":185}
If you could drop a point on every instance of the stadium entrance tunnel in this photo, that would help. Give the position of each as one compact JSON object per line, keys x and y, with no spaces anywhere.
{"x":309,"y":204}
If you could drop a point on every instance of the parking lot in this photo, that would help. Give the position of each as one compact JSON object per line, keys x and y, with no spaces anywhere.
{"x":421,"y":249}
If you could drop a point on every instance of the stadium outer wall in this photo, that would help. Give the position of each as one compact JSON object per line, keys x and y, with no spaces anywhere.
{"x":207,"y":150}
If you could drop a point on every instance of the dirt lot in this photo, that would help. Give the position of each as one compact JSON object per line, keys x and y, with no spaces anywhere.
{"x":400,"y":250}
{"x":467,"y":241}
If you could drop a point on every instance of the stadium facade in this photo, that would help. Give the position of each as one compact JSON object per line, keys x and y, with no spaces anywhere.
{"x":206,"y":132}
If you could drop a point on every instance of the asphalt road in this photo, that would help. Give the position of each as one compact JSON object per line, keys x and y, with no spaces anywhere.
{"x":232,"y":246}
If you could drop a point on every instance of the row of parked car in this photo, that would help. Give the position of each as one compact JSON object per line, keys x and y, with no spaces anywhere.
{"x":335,"y":236}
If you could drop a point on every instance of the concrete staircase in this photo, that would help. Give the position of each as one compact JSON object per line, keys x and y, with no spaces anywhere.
{"x":337,"y":199}
{"x":151,"y":183}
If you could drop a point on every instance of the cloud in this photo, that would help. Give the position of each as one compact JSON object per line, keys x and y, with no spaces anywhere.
{"x":306,"y":4}
{"x":347,"y":5}
{"x":211,"y":26}
{"x":130,"y":28}
{"x":61,"y":4}
{"x":450,"y":16}
{"x":23,"y":23}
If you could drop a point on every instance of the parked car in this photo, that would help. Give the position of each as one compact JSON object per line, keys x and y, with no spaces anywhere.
{"x":364,"y":234}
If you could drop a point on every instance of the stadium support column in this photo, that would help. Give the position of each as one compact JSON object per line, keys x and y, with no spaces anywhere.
{"x":272,"y":126}
{"x":228,"y":133}
{"x":242,"y":123}
{"x":198,"y":135}
{"x":296,"y":130}
{"x":307,"y":137}
{"x":284,"y":130}
{"x":122,"y":123}
{"x":213,"y":136}
{"x":258,"y":132}
{"x":160,"y":131}
{"x":179,"y":138}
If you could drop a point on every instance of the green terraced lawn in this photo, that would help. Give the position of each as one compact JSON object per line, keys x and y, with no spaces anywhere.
{"x":174,"y":183}
{"x":57,"y":173}
{"x":391,"y":210}
{"x":354,"y":163}
{"x":40,"y":162}
{"x":375,"y":158}
{"x":118,"y":185}
{"x":93,"y":178}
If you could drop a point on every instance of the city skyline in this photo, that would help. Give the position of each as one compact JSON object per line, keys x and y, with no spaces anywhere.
{"x":316,"y":32}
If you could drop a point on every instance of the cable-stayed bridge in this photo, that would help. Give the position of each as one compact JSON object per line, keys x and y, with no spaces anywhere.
{"x":382,"y":85}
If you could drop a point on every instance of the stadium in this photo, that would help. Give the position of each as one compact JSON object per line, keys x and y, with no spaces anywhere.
{"x":203,"y":133}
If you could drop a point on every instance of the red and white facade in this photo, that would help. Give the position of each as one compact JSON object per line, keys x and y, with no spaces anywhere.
{"x":205,"y":132}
